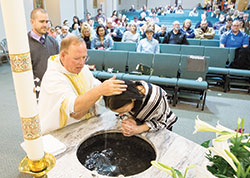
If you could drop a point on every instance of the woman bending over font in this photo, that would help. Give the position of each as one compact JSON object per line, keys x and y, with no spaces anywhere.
{"x":143,"y":107}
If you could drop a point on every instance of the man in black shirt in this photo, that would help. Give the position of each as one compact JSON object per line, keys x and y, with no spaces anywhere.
{"x":175,"y":36}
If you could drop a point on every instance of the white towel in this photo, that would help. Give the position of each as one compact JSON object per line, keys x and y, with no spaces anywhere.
{"x":51,"y":145}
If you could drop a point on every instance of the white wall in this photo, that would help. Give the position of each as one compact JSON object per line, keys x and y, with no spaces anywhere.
{"x":109,"y":8}
{"x":187,"y":4}
{"x":126,"y":4}
{"x":67,"y":10}
{"x":158,"y":3}
{"x":28,"y":7}
{"x":79,"y":5}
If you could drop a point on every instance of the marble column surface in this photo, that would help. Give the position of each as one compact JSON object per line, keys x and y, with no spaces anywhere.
{"x":171,"y":149}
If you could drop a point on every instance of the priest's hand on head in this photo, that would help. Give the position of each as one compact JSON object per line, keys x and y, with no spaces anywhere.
{"x":112,"y":87}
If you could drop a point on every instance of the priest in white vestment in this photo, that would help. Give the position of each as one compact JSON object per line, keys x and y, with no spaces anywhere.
{"x":68,"y":90}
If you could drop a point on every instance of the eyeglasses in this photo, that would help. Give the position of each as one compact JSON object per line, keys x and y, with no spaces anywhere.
{"x":83,"y":59}
{"x":86,"y":58}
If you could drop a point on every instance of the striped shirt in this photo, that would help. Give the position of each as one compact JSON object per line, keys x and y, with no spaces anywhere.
{"x":153,"y":109}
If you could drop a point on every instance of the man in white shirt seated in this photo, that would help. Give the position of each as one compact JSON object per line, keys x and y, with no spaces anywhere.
{"x":68,"y":90}
{"x":148,"y":44}
{"x":64,"y":34}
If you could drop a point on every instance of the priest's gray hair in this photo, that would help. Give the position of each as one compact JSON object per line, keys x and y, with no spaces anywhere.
{"x":70,"y":40}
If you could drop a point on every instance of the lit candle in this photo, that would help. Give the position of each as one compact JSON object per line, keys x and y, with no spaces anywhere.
{"x":17,"y":39}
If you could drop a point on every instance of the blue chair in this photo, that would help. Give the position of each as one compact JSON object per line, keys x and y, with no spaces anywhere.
{"x":165,"y":73}
{"x":192,"y":50}
{"x":96,"y":57}
{"x":124,"y":46}
{"x":217,"y":37}
{"x":135,"y":58}
{"x":136,"y":77}
{"x":116,"y":60}
{"x":217,"y":71}
{"x":102,"y":75}
{"x":215,"y":43}
{"x":239,"y":78}
{"x":193,"y":41}
{"x":170,"y":48}
{"x":192,"y":85}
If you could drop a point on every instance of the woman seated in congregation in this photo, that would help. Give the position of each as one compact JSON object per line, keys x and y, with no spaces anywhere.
{"x":142,"y":107}
{"x":186,"y":29}
{"x":131,"y":35}
{"x":86,"y":34}
{"x":243,"y":27}
{"x":102,"y":41}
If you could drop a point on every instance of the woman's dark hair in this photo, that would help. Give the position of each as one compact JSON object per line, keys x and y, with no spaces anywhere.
{"x":117,"y":101}
{"x":78,"y":22}
{"x":115,"y":11}
{"x":75,"y":17}
{"x":243,"y":22}
{"x":65,"y":21}
{"x":97,"y":29}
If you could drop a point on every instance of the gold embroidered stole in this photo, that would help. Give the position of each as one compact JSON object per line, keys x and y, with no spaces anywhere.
{"x":80,"y":86}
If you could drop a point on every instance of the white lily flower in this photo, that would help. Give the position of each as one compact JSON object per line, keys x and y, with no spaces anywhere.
{"x":222,"y":138}
{"x":163,"y":167}
{"x":219,"y":149}
{"x":222,"y":128}
{"x":202,"y":126}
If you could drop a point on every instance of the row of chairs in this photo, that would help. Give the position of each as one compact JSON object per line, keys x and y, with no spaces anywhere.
{"x":195,"y":45}
{"x":220,"y":58}
{"x":200,"y":50}
{"x":174,"y":72}
{"x":200,"y":42}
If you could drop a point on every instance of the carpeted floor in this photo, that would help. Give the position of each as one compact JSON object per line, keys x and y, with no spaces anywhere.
{"x":223,"y":107}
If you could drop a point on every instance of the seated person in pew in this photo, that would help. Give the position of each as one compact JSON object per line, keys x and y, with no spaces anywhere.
{"x":204,"y":31}
{"x":186,"y":29}
{"x":160,"y":35}
{"x":102,"y":41}
{"x":175,"y":36}
{"x":131,"y":35}
{"x":148,"y":44}
{"x":227,"y":26}
{"x":114,"y":32}
{"x":203,"y":18}
{"x":143,"y":107}
{"x":222,"y":21}
{"x":234,"y":38}
{"x":69,"y":91}
{"x":86,"y":34}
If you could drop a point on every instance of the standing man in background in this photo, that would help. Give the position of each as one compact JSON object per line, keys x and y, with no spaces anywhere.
{"x":42,"y":46}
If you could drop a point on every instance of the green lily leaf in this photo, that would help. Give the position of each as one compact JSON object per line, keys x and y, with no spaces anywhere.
{"x":189,"y":167}
{"x":242,"y":124}
{"x":206,"y":143}
{"x":178,"y":173}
